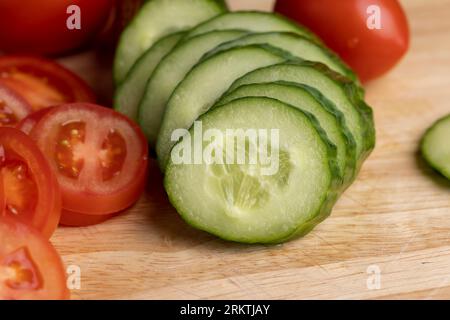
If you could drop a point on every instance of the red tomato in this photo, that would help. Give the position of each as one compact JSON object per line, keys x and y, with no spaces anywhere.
{"x":13,"y":107}
{"x":73,"y":219}
{"x":351,"y":29}
{"x":42,"y":82}
{"x":30,"y":268}
{"x":40,"y":26}
{"x":31,"y":190}
{"x":100,"y":157}
{"x":27,"y":124}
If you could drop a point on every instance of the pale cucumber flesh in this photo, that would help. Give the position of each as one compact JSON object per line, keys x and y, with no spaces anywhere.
{"x":298,"y":46}
{"x":236,"y":201}
{"x":255,"y":21}
{"x":170,"y":72}
{"x":203,"y":86}
{"x":129,"y":93}
{"x":436,"y":146}
{"x":156,"y":19}
{"x":332,"y":87}
{"x":308,"y":99}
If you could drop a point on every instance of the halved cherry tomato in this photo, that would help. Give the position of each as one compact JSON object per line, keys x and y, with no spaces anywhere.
{"x":370,"y":35}
{"x":74,"y":219}
{"x":42,"y":82}
{"x":100,"y":157}
{"x":30,"y":268}
{"x":13,"y":107}
{"x":27,"y":124}
{"x":31,"y":190}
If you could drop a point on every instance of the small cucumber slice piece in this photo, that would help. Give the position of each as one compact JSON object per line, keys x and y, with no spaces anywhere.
{"x":129,"y":93}
{"x":345,"y":95}
{"x":170,"y":72}
{"x":156,"y":19}
{"x":309,"y":99}
{"x":238,"y":202}
{"x":204,"y":85}
{"x":297,"y":45}
{"x":255,"y":21}
{"x":436,"y":146}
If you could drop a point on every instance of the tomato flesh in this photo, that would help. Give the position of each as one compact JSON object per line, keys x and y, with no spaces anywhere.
{"x":13,"y":108}
{"x":27,"y":124}
{"x":30,"y":190}
{"x":30,"y":268}
{"x":41,"y":82}
{"x":20,"y":188}
{"x":100,"y":157}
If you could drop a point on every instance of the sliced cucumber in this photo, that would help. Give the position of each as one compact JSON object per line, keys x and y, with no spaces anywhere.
{"x":204,"y":85}
{"x":169,"y":73}
{"x":342,"y":92}
{"x":436,"y":146}
{"x":158,"y":18}
{"x":255,"y":21}
{"x":129,"y":94}
{"x":298,"y":46}
{"x":309,"y":99}
{"x":238,"y":202}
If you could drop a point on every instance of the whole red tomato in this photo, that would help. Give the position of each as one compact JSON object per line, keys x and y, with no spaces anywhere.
{"x":370,"y":35}
{"x":40,"y":26}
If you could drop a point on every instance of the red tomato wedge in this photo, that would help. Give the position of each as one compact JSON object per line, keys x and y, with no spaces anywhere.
{"x":100,"y":157}
{"x":13,"y":107}
{"x":27,"y":124}
{"x":74,"y":219}
{"x":30,"y":268}
{"x":31,"y":191}
{"x":42,"y":82}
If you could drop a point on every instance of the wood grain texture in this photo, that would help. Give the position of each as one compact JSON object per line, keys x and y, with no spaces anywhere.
{"x":395,"y":217}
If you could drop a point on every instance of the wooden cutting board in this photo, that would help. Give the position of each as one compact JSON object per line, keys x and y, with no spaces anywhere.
{"x":392,"y":225}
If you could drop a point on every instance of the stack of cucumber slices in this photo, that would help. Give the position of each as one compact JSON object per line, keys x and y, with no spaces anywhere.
{"x":257,"y":126}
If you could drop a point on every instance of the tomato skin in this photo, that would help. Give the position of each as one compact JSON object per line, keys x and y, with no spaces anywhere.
{"x":25,"y":249}
{"x":74,"y":219}
{"x":80,"y":196}
{"x":42,"y":82}
{"x":40,"y":26}
{"x":344,"y":28}
{"x":13,"y":107}
{"x":16,"y":145}
{"x":27,"y":124}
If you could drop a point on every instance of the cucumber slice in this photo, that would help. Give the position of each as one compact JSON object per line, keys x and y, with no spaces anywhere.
{"x":238,"y":202}
{"x":342,"y":92}
{"x":129,"y":94}
{"x":170,"y":72}
{"x":311,"y":100}
{"x":298,"y":46}
{"x":255,"y":21}
{"x":158,"y":18}
{"x":204,"y":85}
{"x":436,"y":147}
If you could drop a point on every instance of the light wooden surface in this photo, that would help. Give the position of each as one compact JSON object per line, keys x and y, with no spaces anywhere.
{"x":395,"y":218}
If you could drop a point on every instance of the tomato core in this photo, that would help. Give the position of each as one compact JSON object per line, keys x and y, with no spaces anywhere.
{"x":7,"y":117}
{"x":21,"y":271}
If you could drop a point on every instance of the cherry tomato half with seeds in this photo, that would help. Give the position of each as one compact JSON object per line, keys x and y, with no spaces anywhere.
{"x":370,"y":35}
{"x":30,"y":188}
{"x":13,"y":108}
{"x":30,"y":268}
{"x":43,"y":83}
{"x":100,"y":157}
